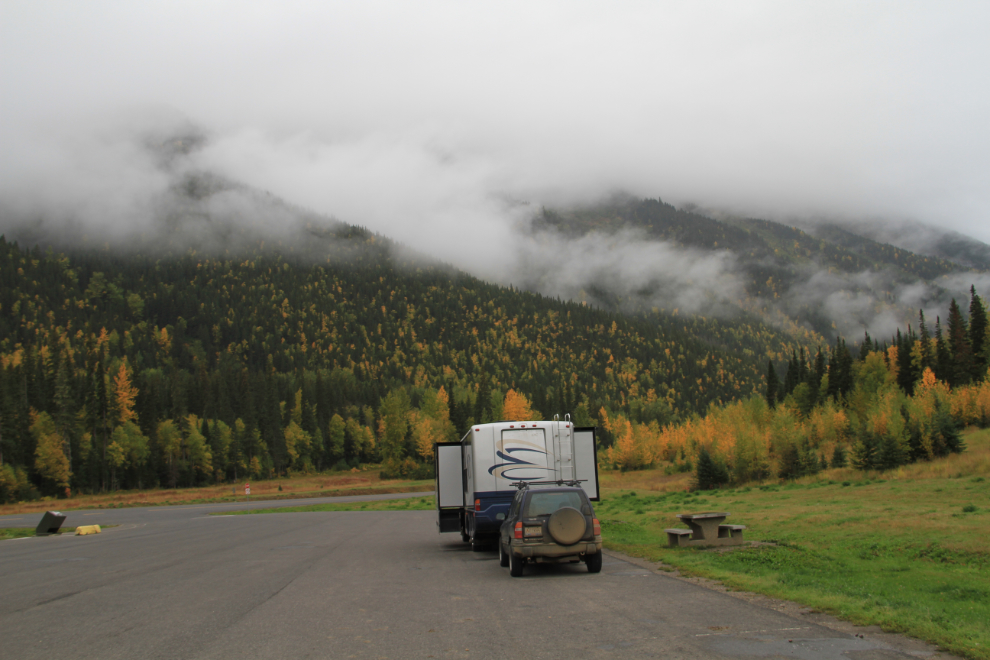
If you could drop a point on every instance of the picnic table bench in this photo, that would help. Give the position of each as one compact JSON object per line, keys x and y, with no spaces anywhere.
{"x":706,"y":529}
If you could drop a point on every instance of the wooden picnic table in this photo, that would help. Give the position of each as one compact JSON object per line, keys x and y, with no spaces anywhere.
{"x":705,"y":529}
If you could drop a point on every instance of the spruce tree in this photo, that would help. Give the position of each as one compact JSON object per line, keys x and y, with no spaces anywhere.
{"x":808,"y":460}
{"x":961,"y":370}
{"x":839,"y":456}
{"x":819,"y":368}
{"x":833,"y":371}
{"x":927,"y":358}
{"x":102,"y":413}
{"x":790,"y":462}
{"x":977,"y":334}
{"x":865,"y":347}
{"x":481,"y":403}
{"x":906,"y":376}
{"x":791,"y":377}
{"x":64,"y":403}
{"x":773,"y":385}
{"x":711,"y":473}
{"x":943,"y":358}
{"x":893,"y":452}
{"x":844,"y":372}
{"x":946,"y":438}
{"x":866,"y":451}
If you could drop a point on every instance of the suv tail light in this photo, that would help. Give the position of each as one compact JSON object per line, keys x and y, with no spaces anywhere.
{"x":518,"y":531}
{"x":596,"y":526}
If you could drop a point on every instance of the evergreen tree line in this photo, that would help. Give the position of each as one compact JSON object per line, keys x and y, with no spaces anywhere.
{"x":882,"y":406}
{"x":898,"y":402}
{"x":126,"y":370}
{"x":958,"y":357}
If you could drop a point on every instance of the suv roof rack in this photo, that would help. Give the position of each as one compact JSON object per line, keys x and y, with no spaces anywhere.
{"x":560,"y":482}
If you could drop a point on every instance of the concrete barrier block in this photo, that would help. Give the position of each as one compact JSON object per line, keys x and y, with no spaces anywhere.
{"x":86,"y":530}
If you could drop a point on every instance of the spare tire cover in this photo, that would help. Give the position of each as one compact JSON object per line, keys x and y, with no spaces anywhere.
{"x":567,"y":525}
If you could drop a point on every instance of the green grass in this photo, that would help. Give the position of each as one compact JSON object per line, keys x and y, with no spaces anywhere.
{"x":408,"y":504}
{"x":910,"y":555}
{"x":15,"y":532}
{"x":23,"y":532}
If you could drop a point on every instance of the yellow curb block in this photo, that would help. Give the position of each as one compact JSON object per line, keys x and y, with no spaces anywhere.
{"x":87,"y":529}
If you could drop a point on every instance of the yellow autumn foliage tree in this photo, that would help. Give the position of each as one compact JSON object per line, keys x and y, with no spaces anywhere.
{"x":516,"y":407}
{"x":431,"y":423}
{"x":49,"y":459}
{"x":124,"y":394}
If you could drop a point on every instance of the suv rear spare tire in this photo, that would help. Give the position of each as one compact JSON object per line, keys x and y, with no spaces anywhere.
{"x":567,"y":525}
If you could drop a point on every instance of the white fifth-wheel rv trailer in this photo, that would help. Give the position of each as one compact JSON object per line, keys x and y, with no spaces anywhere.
{"x":476,"y":478}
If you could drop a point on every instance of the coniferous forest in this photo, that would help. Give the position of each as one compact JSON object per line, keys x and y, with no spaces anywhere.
{"x":888,"y":404}
{"x":135,"y":369}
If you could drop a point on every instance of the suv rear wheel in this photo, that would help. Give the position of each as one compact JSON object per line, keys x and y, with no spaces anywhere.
{"x":515,"y":565}
{"x":594,"y":562}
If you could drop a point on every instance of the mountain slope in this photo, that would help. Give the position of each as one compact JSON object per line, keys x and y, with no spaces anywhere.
{"x":827,"y":279}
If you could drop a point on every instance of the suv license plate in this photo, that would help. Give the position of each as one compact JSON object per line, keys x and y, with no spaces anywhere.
{"x":531,"y":531}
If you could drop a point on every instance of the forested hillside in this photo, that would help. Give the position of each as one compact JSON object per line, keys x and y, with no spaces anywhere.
{"x":893,"y":402}
{"x":124,"y":369}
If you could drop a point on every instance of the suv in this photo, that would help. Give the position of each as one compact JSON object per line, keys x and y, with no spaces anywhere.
{"x":550,"y":525}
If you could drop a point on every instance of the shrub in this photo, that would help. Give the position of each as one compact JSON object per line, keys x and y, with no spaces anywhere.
{"x":407,"y":469}
{"x":711,"y":473}
{"x":798,"y":460}
{"x":8,"y":484}
{"x":839,"y":458}
{"x":15,"y":485}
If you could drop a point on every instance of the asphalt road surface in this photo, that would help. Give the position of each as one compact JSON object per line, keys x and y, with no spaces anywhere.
{"x":175,"y":582}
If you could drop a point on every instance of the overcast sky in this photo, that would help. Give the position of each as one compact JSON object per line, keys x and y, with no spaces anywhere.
{"x":442,"y":123}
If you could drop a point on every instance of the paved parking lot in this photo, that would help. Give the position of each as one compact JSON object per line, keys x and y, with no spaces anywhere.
{"x":175,"y":582}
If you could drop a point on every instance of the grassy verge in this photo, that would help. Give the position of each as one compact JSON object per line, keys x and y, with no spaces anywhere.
{"x":7,"y":533}
{"x":416,"y":504}
{"x":906,"y":550}
{"x":17,"y":532}
{"x":365,"y":482}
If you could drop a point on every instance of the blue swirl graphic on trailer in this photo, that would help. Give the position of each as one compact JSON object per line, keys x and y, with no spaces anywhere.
{"x":511,"y":464}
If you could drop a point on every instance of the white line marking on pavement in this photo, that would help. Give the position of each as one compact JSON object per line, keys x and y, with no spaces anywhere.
{"x":212,"y":517}
{"x":748,"y":632}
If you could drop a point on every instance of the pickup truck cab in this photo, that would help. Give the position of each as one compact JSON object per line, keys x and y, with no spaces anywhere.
{"x":550,"y":525}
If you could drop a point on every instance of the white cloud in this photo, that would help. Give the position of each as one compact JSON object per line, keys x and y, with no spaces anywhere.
{"x":772,"y":108}
{"x":444,"y":124}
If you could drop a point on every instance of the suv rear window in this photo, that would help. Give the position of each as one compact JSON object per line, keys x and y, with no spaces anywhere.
{"x":543,"y":504}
